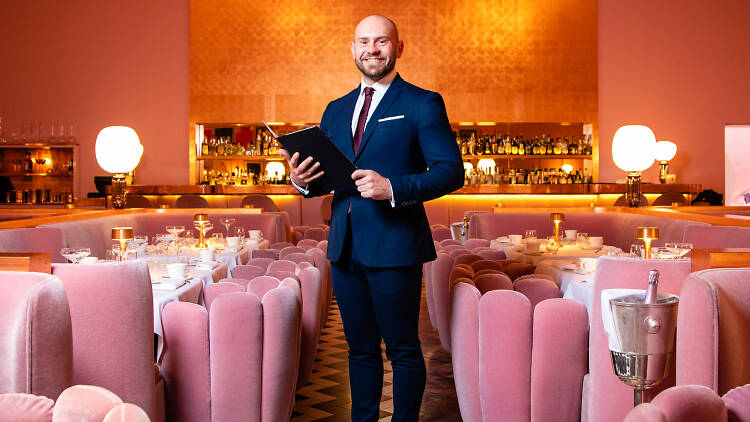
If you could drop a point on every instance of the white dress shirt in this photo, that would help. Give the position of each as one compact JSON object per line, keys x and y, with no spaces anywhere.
{"x":380,"y":88}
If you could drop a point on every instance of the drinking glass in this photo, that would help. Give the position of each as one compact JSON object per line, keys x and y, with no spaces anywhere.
{"x":189,"y":238}
{"x":218,"y":240}
{"x":551,"y":245}
{"x":582,"y":240}
{"x":227,"y":222}
{"x":663,"y":253}
{"x":683,"y":249}
{"x":636,"y":250}
{"x":530,"y":234}
{"x":240,"y":232}
{"x":175,"y":230}
{"x":75,"y":254}
{"x":82,"y":253}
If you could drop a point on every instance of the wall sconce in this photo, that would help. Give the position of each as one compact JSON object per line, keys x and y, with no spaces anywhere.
{"x":557,"y":218}
{"x":663,"y":152}
{"x":275,"y":170}
{"x":647,"y":234}
{"x":632,"y":151}
{"x":118,"y":151}
{"x":122,"y":235}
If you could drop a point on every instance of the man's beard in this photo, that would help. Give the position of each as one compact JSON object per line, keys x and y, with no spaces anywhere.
{"x":390,"y":63}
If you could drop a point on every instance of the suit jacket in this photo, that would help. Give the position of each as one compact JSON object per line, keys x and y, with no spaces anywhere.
{"x":419,"y":156}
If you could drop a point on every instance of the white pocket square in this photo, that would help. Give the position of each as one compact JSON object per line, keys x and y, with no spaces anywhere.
{"x":385,"y":119}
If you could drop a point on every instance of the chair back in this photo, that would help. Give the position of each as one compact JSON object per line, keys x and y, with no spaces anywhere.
{"x":537,"y":289}
{"x":466,"y":259}
{"x":669,"y":198}
{"x":280,"y":245}
{"x":484,"y":264}
{"x":307,"y":244}
{"x":272,"y":254}
{"x":37,"y":345}
{"x":448,"y":242}
{"x":713,"y":334}
{"x":247,"y":272}
{"x":34,"y":239}
{"x":191,"y":201}
{"x":316,"y":233}
{"x":137,"y":201}
{"x":289,"y":250}
{"x":111,"y":309}
{"x":299,"y":258}
{"x":282,"y":265}
{"x":441,"y":286}
{"x":313,"y":295}
{"x":325,"y":209}
{"x":441,"y":233}
{"x":488,"y":282}
{"x":259,"y":200}
{"x":476,"y":243}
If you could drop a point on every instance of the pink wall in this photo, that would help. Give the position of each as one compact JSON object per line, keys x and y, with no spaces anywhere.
{"x":680,"y":67}
{"x":100,"y":63}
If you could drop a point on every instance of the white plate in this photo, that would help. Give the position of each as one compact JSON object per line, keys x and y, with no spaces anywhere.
{"x":581,"y":272}
{"x":168,"y":278}
{"x":571,"y":267}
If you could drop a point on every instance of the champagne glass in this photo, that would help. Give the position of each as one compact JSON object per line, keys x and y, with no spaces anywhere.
{"x":69,"y":254}
{"x":175,"y":230}
{"x":82,"y":253}
{"x":227,"y":222}
{"x":530,"y":234}
{"x":683,"y":249}
{"x":582,"y":240}
{"x":552,"y":246}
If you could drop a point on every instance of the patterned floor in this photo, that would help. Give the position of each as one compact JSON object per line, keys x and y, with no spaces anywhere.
{"x":326,"y":397}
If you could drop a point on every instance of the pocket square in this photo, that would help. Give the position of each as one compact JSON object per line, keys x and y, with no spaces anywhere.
{"x":385,"y":119}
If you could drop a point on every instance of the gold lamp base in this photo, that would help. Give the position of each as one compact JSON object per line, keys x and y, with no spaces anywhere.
{"x":633,"y":192}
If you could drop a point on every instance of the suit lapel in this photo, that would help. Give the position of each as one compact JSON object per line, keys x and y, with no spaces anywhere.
{"x":393,"y":92}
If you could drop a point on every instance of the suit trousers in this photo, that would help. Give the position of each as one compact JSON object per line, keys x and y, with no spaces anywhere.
{"x":380,"y":303}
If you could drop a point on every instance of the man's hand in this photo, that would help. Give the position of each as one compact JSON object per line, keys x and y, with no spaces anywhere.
{"x":372,"y":185}
{"x":303,"y":173}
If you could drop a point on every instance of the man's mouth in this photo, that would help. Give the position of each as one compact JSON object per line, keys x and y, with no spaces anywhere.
{"x":372,"y":59}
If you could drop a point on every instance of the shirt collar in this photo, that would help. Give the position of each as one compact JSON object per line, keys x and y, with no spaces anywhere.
{"x":380,"y":86}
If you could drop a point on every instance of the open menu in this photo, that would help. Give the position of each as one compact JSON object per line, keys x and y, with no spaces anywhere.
{"x":312,"y":142}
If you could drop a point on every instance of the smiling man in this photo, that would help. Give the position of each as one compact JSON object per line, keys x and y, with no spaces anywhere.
{"x":399,"y":138}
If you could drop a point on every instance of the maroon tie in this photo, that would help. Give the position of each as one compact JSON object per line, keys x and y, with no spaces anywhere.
{"x":362,"y":119}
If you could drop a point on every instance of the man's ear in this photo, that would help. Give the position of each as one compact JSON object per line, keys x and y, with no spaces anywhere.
{"x":399,"y":49}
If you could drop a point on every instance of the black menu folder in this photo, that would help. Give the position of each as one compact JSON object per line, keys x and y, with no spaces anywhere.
{"x":313,"y":142}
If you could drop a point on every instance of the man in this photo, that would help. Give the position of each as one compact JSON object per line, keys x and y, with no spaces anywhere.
{"x":399,"y":138}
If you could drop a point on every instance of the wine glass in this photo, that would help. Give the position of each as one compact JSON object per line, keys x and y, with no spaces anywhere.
{"x":175,"y":230}
{"x":69,"y":254}
{"x":82,"y":253}
{"x":240,"y":232}
{"x":582,"y":240}
{"x":218,"y":241}
{"x":683,"y":249}
{"x":552,"y":246}
{"x":530,"y":234}
{"x":227,"y":222}
{"x":636,"y":250}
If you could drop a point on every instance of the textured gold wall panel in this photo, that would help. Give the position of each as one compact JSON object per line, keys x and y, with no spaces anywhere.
{"x":506,"y":60}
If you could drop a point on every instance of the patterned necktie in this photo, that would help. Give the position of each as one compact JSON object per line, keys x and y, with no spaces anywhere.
{"x":362,"y":119}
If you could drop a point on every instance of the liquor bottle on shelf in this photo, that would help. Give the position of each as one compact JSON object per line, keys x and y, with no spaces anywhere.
{"x":28,"y":163}
{"x":204,"y":147}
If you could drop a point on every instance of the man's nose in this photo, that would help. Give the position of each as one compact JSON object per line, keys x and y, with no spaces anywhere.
{"x":373,"y":48}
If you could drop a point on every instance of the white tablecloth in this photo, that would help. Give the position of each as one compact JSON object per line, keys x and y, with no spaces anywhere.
{"x":566,"y":252}
{"x":573,"y":284}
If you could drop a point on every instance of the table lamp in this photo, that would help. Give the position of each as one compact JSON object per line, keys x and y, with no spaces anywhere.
{"x":647,"y":234}
{"x":557,"y":218}
{"x":663,"y":152}
{"x":632,"y":151}
{"x":118,"y":151}
{"x":200,"y":221}
{"x":122,"y":235}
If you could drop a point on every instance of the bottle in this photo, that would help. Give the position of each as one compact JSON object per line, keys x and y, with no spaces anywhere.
{"x":28,"y":164}
{"x":651,"y":293}
{"x":204,"y":147}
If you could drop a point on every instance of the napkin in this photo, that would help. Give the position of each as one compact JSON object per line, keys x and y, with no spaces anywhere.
{"x":169,"y":284}
{"x":503,"y":239}
{"x":609,"y":319}
{"x":206,"y":266}
{"x":565,"y":264}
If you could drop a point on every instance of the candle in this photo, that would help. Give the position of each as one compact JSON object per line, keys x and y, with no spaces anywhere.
{"x":557,"y":218}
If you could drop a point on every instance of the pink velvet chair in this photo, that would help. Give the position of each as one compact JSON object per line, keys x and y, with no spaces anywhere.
{"x":523,"y":277}
{"x":313,"y":303}
{"x":299,"y":258}
{"x":456,"y":251}
{"x":321,"y":262}
{"x":265,"y":253}
{"x":489,"y":282}
{"x":466,"y":259}
{"x":449,"y":242}
{"x":282,"y":265}
{"x":427,"y":275}
{"x":512,"y":372}
{"x":111,"y":310}
{"x":316,"y":233}
{"x":606,"y":398}
{"x":307,"y":244}
{"x":684,"y":403}
{"x":280,"y":245}
{"x":289,"y":250}
{"x":35,"y":328}
{"x":260,"y":262}
{"x":484,"y":264}
{"x":79,"y":403}
{"x":713,"y":331}
{"x":248,"y":272}
{"x":537,"y":289}
{"x":441,"y":233}
{"x":476,"y":243}
{"x":238,"y":361}
{"x":441,"y":269}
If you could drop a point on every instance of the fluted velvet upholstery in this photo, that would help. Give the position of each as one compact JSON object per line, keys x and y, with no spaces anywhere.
{"x":289,"y":250}
{"x":706,"y":237}
{"x":511,"y":371}
{"x":608,"y":398}
{"x":441,"y":233}
{"x":487,"y":282}
{"x":281,"y":245}
{"x":313,"y":296}
{"x":466,"y":259}
{"x":476,"y":243}
{"x":316,"y":233}
{"x":307,"y":243}
{"x":299,"y":258}
{"x":537,"y":289}
{"x":237,"y":361}
{"x":713,"y":331}
{"x":491,"y":254}
{"x":457,"y":250}
{"x":523,"y":277}
{"x":441,"y":269}
{"x":260,"y":262}
{"x":684,"y":403}
{"x":35,"y":328}
{"x":111,"y":310}
{"x":449,"y":242}
{"x":22,"y":407}
{"x":265,"y":253}
{"x":248,"y":272}
{"x":321,"y":262}
{"x":484,"y":264}
{"x":517,"y":269}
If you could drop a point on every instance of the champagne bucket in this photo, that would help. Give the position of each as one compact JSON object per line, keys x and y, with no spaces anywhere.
{"x":646,"y":333}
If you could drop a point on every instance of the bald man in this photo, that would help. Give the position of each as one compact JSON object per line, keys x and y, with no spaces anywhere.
{"x":399,"y":138}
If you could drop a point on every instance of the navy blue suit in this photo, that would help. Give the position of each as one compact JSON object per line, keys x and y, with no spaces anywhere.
{"x":377,"y":250}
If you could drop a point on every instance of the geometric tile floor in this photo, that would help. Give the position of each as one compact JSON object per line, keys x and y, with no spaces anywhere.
{"x":326,"y":397}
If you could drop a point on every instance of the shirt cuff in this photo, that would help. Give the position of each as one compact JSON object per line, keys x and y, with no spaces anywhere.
{"x":302,"y":190}
{"x":393,"y":197}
